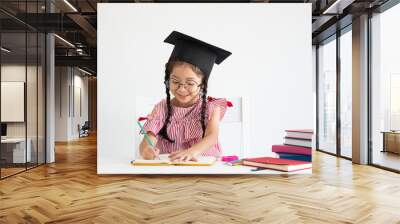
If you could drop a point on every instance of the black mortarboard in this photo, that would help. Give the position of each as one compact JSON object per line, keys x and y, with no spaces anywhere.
{"x":196,"y":52}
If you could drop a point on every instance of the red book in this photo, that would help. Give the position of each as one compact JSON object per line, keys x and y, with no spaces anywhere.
{"x":291,"y":149}
{"x":277,"y":164}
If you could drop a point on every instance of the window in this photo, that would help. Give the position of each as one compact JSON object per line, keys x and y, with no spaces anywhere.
{"x":385,"y":88}
{"x":346,"y":93}
{"x":22,"y":65}
{"x":327,"y":96}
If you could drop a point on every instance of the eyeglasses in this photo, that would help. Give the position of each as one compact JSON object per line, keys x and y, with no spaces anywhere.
{"x":190,"y":86}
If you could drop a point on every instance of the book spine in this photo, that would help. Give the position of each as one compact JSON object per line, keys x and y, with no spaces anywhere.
{"x":299,"y":138}
{"x":298,"y":142}
{"x":308,"y":147}
{"x":296,"y":157}
{"x":291,"y":149}
{"x":308,"y":131}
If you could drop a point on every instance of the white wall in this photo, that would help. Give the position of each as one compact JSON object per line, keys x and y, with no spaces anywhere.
{"x":61,"y":103}
{"x":79,"y":117}
{"x":270,"y":66}
{"x":68,"y":81}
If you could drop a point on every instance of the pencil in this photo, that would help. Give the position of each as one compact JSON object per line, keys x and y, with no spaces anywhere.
{"x":146,"y":136}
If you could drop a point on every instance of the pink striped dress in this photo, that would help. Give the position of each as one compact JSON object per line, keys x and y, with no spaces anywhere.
{"x":185,"y":125}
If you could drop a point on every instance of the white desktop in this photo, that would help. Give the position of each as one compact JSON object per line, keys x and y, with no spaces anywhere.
{"x":18,"y":146}
{"x":219,"y":167}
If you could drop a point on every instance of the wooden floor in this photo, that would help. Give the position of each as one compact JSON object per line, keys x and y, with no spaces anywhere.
{"x":387,"y":159}
{"x":5,"y":172}
{"x":70,"y":191}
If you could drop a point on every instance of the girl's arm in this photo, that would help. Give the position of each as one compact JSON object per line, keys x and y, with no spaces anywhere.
{"x":152,"y":127}
{"x":209,"y":140}
{"x":146,"y":150}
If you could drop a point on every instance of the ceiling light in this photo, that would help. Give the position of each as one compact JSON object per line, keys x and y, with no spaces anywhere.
{"x":64,"y":40}
{"x":84,"y":71}
{"x":338,"y":6}
{"x":70,"y":5}
{"x":5,"y":50}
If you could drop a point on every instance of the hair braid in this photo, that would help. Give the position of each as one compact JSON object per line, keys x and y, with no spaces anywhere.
{"x":204,"y":106}
{"x":163,"y":131}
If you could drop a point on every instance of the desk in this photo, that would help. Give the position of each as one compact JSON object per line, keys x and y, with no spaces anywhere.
{"x":391,"y":141}
{"x":15,"y":148}
{"x":124,"y":167}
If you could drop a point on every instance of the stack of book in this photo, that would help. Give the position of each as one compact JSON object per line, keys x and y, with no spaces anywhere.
{"x":301,"y":137}
{"x":297,"y":145}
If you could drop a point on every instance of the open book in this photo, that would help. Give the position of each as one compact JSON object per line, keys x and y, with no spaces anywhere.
{"x":164,"y":161}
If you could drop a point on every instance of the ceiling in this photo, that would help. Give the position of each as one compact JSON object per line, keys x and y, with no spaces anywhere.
{"x":76,"y":22}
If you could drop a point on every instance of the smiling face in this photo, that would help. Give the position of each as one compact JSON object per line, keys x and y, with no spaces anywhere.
{"x":185,"y":84}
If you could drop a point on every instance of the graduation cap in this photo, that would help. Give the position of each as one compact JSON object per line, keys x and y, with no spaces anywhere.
{"x":196,"y":52}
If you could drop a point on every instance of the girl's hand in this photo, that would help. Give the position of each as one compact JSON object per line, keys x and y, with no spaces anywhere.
{"x":184,"y":155}
{"x":150,"y":153}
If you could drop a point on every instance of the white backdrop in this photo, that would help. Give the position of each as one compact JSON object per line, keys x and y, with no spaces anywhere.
{"x":270,"y":67}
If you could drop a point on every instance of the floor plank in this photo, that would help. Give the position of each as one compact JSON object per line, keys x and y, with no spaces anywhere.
{"x":70,"y":191}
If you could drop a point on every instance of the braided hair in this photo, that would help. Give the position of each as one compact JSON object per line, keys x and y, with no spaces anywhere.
{"x":204,"y":106}
{"x":168,"y":69}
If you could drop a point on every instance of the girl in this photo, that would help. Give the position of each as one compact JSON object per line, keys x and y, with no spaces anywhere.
{"x":188,"y":124}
